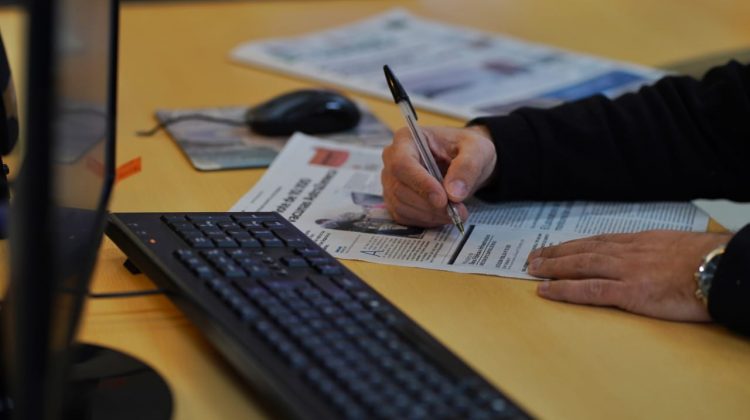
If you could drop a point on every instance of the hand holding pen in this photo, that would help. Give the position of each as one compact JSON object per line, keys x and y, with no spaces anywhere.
{"x":416,"y":198}
{"x":421,"y":143}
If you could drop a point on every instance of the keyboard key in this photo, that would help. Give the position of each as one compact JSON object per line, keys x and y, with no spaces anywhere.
{"x":249,"y":243}
{"x":208,"y":218}
{"x":181,"y":225}
{"x":275,"y":224}
{"x":348,"y":283}
{"x":205,"y":224}
{"x":325,"y":284}
{"x":329,"y":269}
{"x":184,"y":254}
{"x":190,"y":233}
{"x":238,"y":234}
{"x":199,"y":242}
{"x":258,"y":271}
{"x":225,"y":242}
{"x":308,"y":252}
{"x":272,"y":243}
{"x":231,"y":271}
{"x":203,"y":272}
{"x":294,"y":262}
{"x":173,"y":218}
{"x":263,"y":234}
{"x":320,"y":261}
{"x":257,"y":217}
{"x":228,"y":225}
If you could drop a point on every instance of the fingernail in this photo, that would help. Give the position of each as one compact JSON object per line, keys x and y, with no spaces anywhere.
{"x":543,"y":287}
{"x":434,"y":199}
{"x":535,"y":264}
{"x":458,"y":189}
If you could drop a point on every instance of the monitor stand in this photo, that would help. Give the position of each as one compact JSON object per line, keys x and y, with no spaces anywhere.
{"x":107,"y":384}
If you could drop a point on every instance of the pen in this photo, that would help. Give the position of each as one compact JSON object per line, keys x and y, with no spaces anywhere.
{"x":410,"y":115}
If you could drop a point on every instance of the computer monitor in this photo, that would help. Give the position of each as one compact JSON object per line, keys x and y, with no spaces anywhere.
{"x":58,"y":212}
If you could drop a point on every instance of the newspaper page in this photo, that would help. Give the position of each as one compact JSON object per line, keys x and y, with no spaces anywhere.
{"x":449,"y":69}
{"x":332,"y":192}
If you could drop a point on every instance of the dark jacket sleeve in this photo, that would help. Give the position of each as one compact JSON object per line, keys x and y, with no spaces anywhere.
{"x":729,"y":297}
{"x":678,"y":139}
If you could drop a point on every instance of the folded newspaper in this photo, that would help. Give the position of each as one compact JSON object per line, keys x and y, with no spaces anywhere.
{"x":332,"y":192}
{"x":450,"y":69}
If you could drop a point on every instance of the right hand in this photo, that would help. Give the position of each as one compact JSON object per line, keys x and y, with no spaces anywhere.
{"x":467,"y":158}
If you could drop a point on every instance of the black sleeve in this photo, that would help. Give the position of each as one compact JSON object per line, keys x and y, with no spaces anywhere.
{"x":729,"y":297}
{"x":678,"y":139}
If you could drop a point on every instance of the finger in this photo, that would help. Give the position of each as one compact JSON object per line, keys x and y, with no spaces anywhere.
{"x":583,"y":246}
{"x":394,"y":191}
{"x":406,"y":214}
{"x":622,"y":238}
{"x":577,"y":266}
{"x":403,"y":212}
{"x":600,"y":292}
{"x":408,"y":170}
{"x":402,"y":193}
{"x":471,"y":165}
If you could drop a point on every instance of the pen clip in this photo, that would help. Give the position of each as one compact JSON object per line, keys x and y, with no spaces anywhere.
{"x":398,"y":92}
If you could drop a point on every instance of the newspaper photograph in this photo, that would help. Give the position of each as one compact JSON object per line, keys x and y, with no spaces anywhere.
{"x":453,"y":70}
{"x":332,"y":192}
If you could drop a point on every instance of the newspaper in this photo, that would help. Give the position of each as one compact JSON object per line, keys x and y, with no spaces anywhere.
{"x":332,"y":192}
{"x":449,"y":69}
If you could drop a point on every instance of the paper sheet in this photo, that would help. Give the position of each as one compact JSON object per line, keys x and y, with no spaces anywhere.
{"x":454,"y":70}
{"x":332,"y":192}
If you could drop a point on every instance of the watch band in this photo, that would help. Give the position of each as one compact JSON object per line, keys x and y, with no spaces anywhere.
{"x":704,"y":276}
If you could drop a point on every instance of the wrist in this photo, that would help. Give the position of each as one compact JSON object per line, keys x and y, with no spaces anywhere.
{"x":488,"y":167}
{"x":481,"y":129}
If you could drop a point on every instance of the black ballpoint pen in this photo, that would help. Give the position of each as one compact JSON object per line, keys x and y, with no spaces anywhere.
{"x":410,"y":115}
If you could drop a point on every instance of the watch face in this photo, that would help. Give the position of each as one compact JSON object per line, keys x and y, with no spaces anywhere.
{"x":706,"y":273}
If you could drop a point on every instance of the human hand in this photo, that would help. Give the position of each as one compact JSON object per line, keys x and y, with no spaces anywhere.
{"x":648,"y":273}
{"x":413,"y":197}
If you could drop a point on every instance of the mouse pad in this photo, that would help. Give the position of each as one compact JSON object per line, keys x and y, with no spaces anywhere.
{"x":212,"y":146}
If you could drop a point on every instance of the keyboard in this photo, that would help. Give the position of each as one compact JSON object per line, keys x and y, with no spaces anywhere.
{"x":311,"y":338}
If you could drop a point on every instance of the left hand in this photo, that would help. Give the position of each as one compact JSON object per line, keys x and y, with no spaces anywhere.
{"x":648,"y":273}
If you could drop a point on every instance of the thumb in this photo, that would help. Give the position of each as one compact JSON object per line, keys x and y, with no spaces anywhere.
{"x":467,"y":169}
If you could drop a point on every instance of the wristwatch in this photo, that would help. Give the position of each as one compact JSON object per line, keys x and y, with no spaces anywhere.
{"x":704,"y":276}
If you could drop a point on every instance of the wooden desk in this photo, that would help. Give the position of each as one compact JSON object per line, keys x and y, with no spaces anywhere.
{"x":559,"y":361}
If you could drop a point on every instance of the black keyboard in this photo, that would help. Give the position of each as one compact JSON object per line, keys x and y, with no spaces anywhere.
{"x":306,"y":332}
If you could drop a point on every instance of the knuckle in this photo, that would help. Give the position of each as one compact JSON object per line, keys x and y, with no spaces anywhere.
{"x":401,"y":134}
{"x":594,"y":290}
{"x":591,"y":246}
{"x":422,"y":185}
{"x":545,"y":251}
{"x":398,"y":189}
{"x":390,"y":186}
{"x":398,"y":213}
{"x":588,"y":263}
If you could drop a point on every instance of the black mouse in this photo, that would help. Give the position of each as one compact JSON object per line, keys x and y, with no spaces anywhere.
{"x":311,"y":111}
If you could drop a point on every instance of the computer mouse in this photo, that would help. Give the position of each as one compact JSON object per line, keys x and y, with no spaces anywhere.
{"x":311,"y":111}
